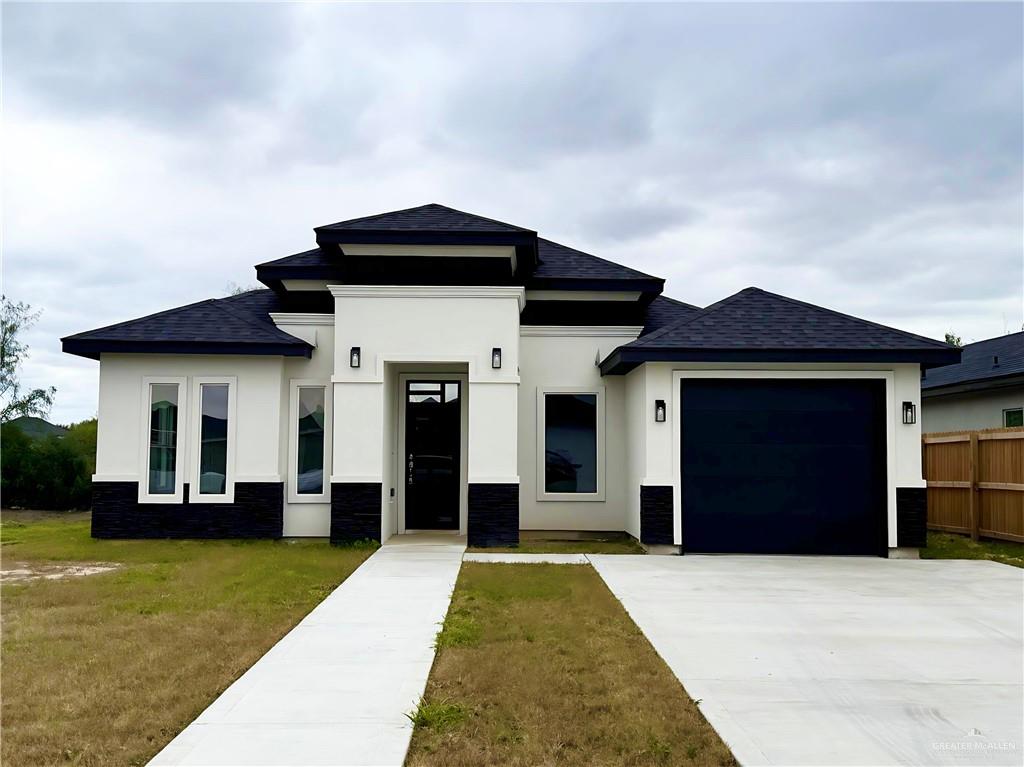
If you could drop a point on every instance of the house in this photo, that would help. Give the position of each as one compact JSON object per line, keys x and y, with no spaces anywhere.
{"x":37,"y":428}
{"x":430,"y":369}
{"x":985,"y":390}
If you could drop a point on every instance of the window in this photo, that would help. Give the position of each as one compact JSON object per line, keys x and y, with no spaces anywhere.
{"x":309,"y":438}
{"x":163,"y":439}
{"x":570,"y":445}
{"x":213,"y":439}
{"x":1013,"y":417}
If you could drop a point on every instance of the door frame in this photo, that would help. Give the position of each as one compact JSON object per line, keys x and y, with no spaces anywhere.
{"x":889,"y":376}
{"x":400,"y":467}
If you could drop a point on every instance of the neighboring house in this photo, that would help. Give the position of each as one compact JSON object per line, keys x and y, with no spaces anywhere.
{"x":429,"y":369}
{"x":37,"y":428}
{"x":984,"y":391}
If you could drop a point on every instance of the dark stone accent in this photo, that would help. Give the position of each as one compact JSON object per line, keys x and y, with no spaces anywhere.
{"x":355,"y":511}
{"x":257,"y":512}
{"x":494,"y":514}
{"x":656,"y":515}
{"x":912,"y":516}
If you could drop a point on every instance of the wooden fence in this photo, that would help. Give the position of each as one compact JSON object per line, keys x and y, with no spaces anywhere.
{"x":976,"y":482}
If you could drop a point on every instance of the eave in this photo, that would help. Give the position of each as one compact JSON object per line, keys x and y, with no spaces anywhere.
{"x":93,"y":348}
{"x":624,"y":359}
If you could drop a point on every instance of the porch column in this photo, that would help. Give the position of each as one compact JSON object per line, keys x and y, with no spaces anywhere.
{"x":493,"y":463}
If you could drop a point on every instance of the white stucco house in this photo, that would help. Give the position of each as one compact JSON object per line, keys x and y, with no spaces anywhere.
{"x":985,"y":390}
{"x":429,"y":369}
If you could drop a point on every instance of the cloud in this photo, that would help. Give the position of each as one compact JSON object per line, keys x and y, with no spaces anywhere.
{"x":863,"y":156}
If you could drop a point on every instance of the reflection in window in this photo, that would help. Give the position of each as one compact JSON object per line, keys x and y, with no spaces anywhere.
{"x":163,"y":438}
{"x":570,"y":443}
{"x":310,"y":463}
{"x":213,"y":436}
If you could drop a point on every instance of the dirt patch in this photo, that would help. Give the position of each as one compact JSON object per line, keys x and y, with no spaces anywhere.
{"x":22,"y":571}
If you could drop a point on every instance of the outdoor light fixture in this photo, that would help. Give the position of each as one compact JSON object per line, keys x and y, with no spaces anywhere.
{"x":909,"y":413}
{"x":496,"y":357}
{"x":353,"y":357}
{"x":659,"y":410}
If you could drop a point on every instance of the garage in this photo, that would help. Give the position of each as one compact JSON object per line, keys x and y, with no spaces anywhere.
{"x":783,"y":466}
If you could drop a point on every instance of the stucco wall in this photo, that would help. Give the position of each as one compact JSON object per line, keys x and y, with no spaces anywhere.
{"x":121,"y":433}
{"x":978,"y":410}
{"x":569,"y":361}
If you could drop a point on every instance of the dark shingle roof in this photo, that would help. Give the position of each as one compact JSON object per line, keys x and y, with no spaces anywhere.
{"x":664,"y":311}
{"x":977,"y":363}
{"x":426,"y":218}
{"x":560,"y":261}
{"x":756,"y":325}
{"x":314,"y":257}
{"x":234,"y":325}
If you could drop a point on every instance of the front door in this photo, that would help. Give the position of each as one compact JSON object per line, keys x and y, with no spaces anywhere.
{"x":433,"y":417}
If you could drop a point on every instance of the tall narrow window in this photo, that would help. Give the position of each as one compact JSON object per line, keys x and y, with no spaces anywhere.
{"x":213,"y":439}
{"x":570,"y":443}
{"x":309,"y":478}
{"x":163,"y":438}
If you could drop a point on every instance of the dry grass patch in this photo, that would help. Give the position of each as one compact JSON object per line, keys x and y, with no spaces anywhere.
{"x":106,"y":669}
{"x":539,"y":664}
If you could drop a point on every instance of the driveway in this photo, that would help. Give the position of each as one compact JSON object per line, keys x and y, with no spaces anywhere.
{"x":829,"y":661}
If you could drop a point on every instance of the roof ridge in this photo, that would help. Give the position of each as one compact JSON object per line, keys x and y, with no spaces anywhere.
{"x":273,"y":261}
{"x":1003,"y":337}
{"x":681,"y":303}
{"x":360,"y":219}
{"x":941,"y":344}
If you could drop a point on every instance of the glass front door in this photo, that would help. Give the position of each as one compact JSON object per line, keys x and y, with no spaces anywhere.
{"x":433,"y":418}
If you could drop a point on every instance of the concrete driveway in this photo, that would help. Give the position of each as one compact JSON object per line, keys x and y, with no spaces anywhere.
{"x":828,"y":661}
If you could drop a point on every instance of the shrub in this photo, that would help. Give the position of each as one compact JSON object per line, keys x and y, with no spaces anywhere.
{"x":47,"y":473}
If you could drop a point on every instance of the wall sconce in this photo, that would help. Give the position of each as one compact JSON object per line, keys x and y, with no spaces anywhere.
{"x":496,"y":357}
{"x":909,"y":413}
{"x":659,"y":410}
{"x":353,"y":357}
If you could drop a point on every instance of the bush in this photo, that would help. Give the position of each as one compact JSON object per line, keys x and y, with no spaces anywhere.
{"x":47,"y":473}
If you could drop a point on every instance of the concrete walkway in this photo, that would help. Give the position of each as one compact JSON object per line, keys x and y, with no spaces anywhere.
{"x":839,"y":661}
{"x":335,"y":689}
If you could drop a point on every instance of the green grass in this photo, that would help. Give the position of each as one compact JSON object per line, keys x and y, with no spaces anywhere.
{"x":106,"y":669}
{"x":539,"y":664}
{"x":953,"y":546}
{"x":607,"y":546}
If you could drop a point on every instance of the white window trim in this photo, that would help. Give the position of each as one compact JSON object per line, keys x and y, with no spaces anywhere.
{"x":1007,"y":410}
{"x":181,"y":457}
{"x":293,"y":440}
{"x":542,"y":494}
{"x":228,"y":496}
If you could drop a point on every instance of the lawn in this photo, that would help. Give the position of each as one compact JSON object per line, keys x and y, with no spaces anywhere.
{"x":539,"y":664}
{"x":597,"y":546}
{"x":952,"y":546}
{"x":106,"y":669}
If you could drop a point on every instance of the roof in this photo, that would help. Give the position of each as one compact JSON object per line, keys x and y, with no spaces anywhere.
{"x":755,"y":325}
{"x":664,"y":311}
{"x":426,"y":218}
{"x":987,"y":362}
{"x":560,"y":267}
{"x":238,"y":324}
{"x":36,"y":428}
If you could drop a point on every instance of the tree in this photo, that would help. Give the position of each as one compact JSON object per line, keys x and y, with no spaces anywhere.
{"x":234,"y":289}
{"x":14,"y":318}
{"x":953,"y":339}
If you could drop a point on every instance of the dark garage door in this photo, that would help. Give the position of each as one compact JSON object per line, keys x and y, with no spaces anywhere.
{"x":784,"y":466}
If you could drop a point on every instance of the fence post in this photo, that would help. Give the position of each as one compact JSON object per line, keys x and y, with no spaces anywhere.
{"x":972,"y":491}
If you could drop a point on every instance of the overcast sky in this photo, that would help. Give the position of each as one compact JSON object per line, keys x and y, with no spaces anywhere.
{"x":864,"y":157}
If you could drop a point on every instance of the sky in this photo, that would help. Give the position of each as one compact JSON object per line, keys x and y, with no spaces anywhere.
{"x":864,"y":157}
